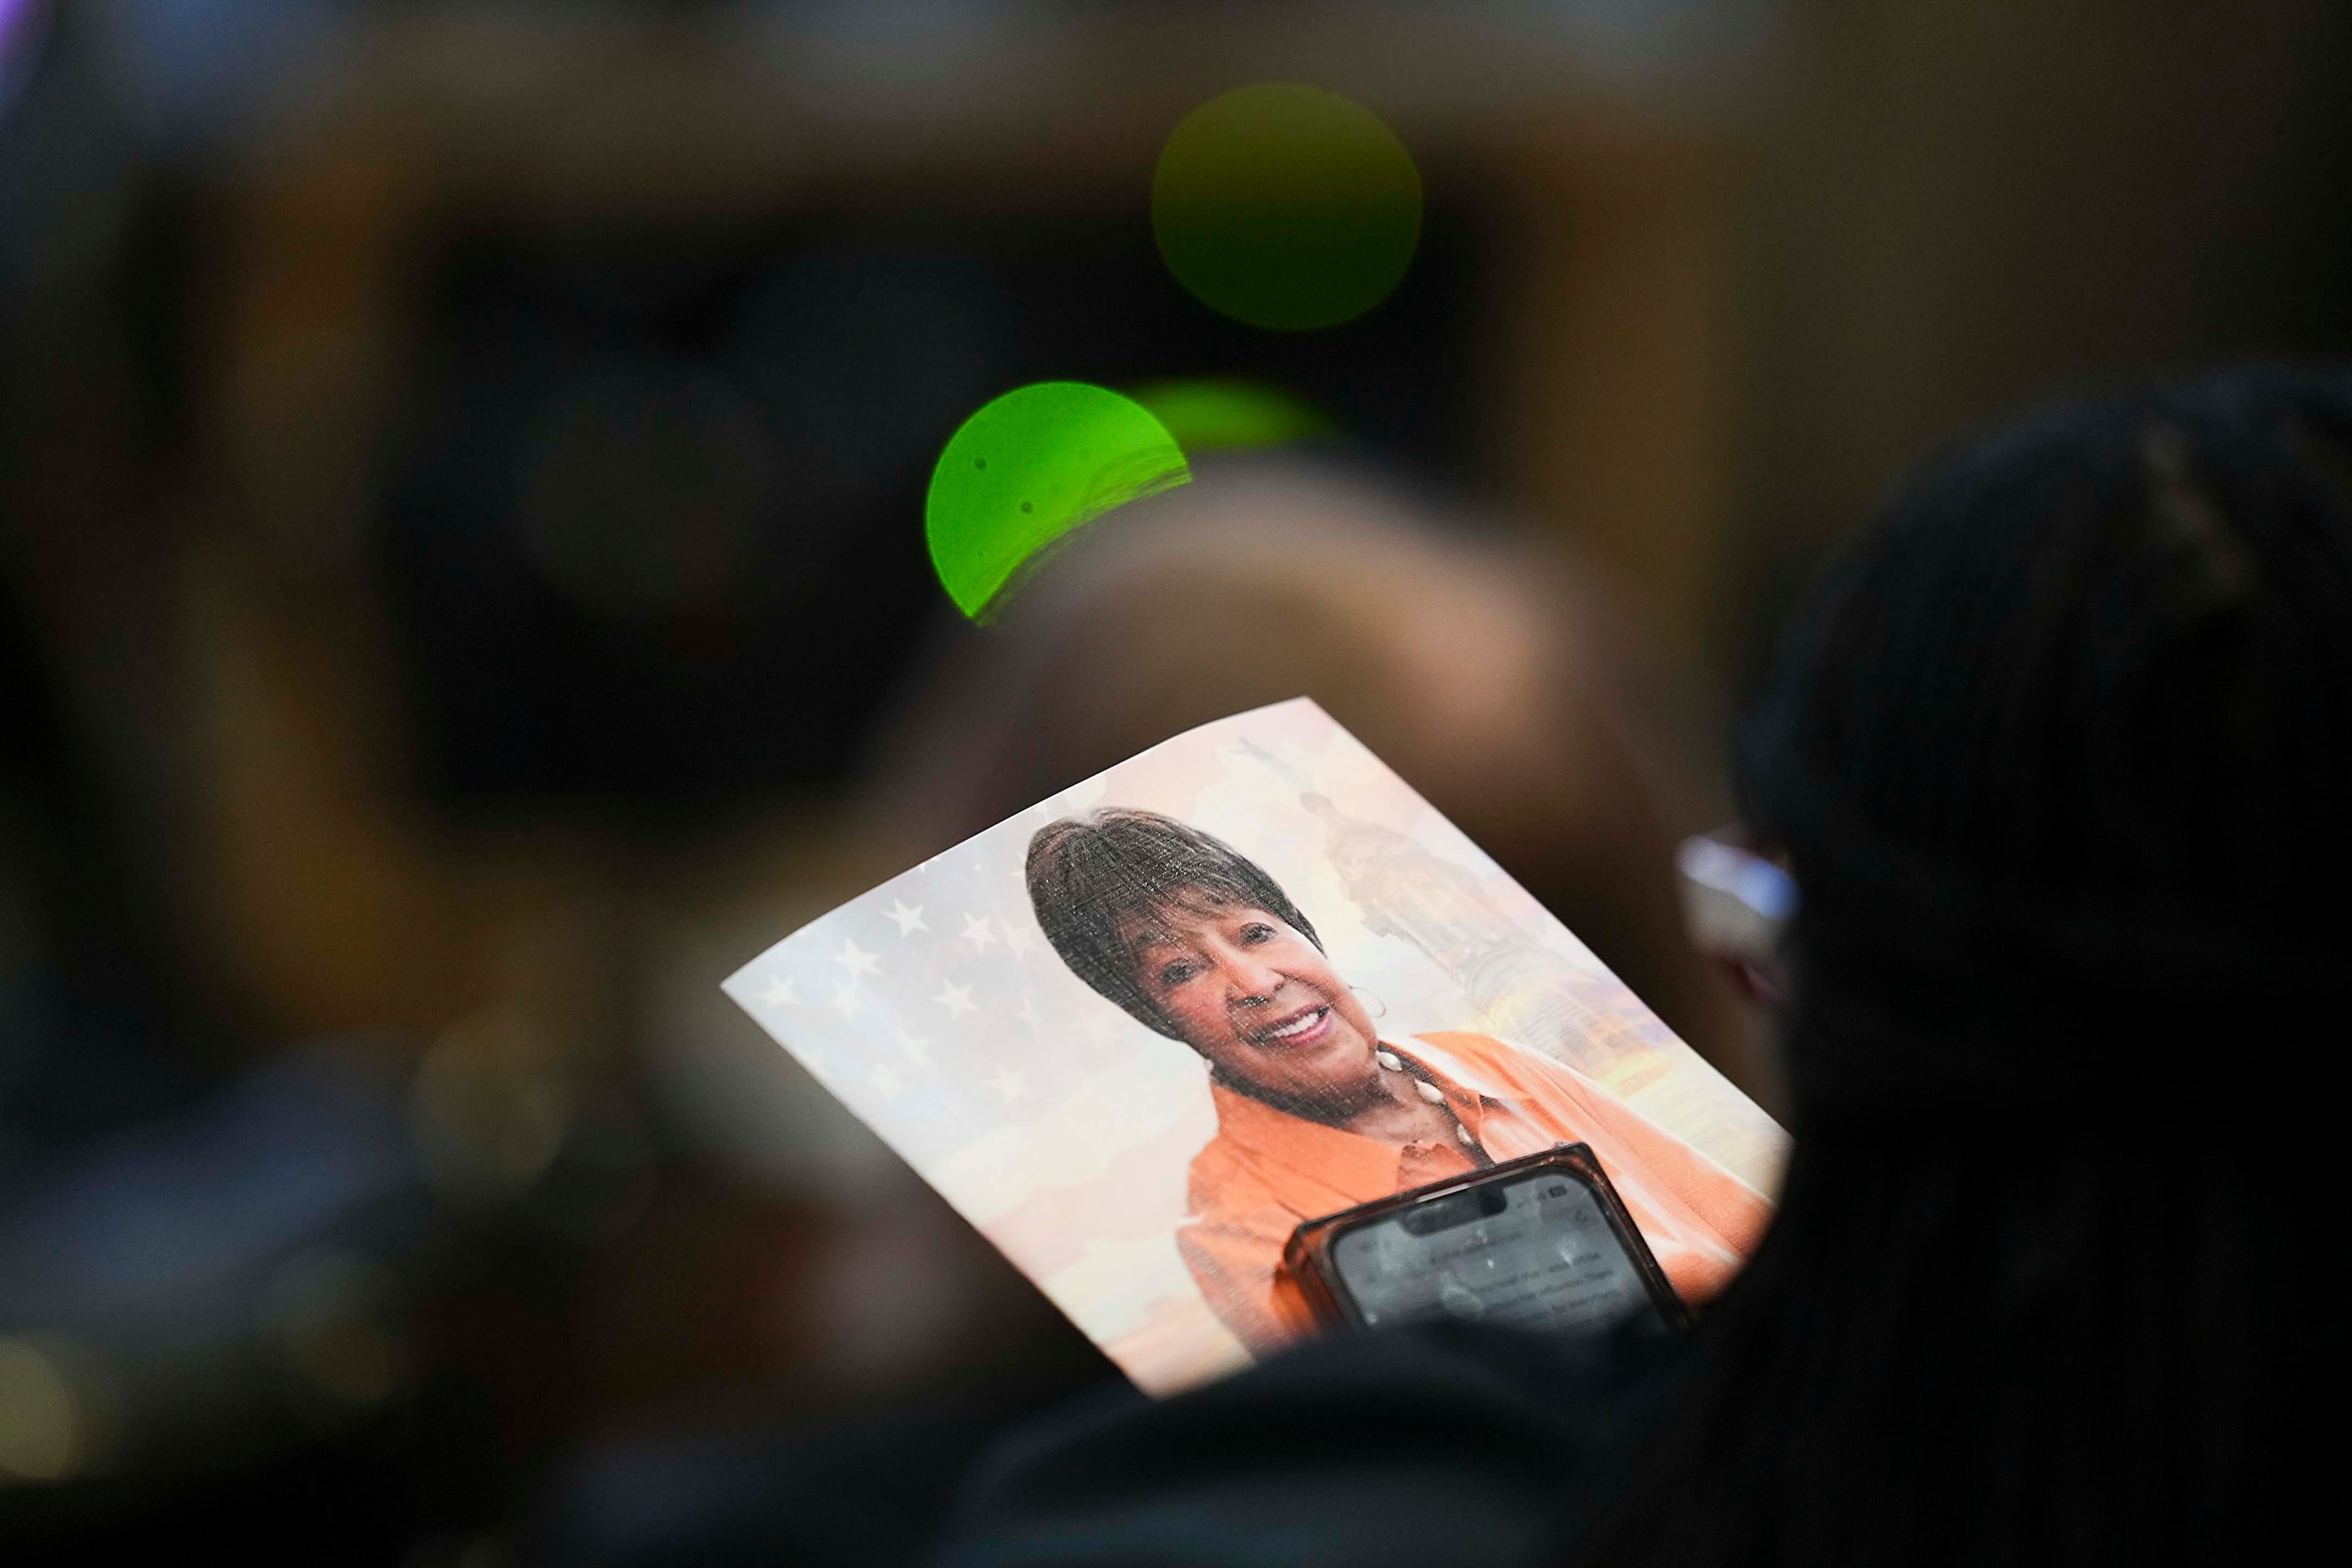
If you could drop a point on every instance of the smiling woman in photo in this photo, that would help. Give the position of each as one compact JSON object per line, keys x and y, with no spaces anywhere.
{"x":1315,"y":1112}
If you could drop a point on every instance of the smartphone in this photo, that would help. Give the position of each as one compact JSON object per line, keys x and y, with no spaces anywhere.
{"x":1541,"y":1242}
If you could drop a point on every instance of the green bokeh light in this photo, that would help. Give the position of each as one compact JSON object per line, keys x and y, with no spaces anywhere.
{"x":1026,"y":470}
{"x":1286,"y":206}
{"x":1227,"y":414}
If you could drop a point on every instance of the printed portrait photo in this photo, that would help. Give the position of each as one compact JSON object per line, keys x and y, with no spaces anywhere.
{"x":1139,"y":1033}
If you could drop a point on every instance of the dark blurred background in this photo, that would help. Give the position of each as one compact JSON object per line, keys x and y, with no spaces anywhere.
{"x":462,"y":592}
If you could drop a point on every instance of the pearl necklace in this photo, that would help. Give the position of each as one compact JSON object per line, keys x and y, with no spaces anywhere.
{"x":1390,"y":1062}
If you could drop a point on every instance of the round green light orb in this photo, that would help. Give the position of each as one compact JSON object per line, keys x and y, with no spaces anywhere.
{"x":1027,"y":469}
{"x":1286,"y":206}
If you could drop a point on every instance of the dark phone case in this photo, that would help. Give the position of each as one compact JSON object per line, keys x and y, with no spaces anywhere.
{"x":1308,"y":1254}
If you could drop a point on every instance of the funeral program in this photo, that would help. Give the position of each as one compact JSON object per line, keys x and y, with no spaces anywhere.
{"x":1139,"y":1033}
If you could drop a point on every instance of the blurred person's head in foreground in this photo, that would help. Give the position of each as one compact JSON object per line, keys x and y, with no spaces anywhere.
{"x":1496,"y":681}
{"x":2054,"y":756}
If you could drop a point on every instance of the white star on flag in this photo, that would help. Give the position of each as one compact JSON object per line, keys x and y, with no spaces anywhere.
{"x":917,"y":1049}
{"x":884,"y":1079}
{"x":779,"y":993}
{"x":1028,"y":1012}
{"x":956,"y":999}
{"x":977,"y":931}
{"x":910,"y":920}
{"x":1020,"y":939}
{"x":1009,"y":1085}
{"x":859,"y":961}
{"x":845,"y":999}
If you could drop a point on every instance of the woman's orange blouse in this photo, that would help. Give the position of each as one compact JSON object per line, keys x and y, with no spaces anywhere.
{"x":1266,"y":1170}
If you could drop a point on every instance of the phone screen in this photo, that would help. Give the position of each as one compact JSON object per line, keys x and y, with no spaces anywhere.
{"x":1530,"y":1251}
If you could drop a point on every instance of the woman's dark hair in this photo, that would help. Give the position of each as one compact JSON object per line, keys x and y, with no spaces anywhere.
{"x":2056,"y":755}
{"x":1089,"y":876}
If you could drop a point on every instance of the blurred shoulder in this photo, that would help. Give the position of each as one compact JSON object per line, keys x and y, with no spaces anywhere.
{"x":1445,"y":1443}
